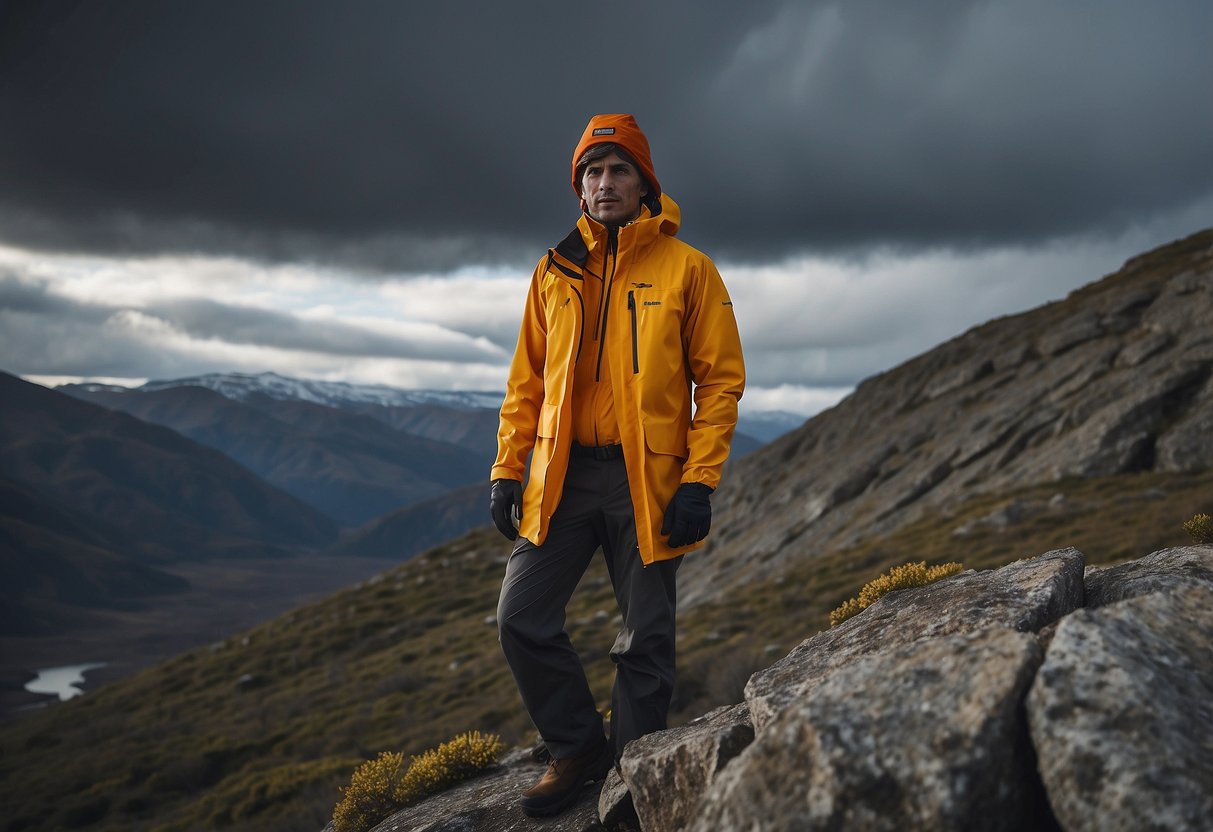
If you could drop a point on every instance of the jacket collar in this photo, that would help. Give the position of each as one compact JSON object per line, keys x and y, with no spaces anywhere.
{"x":572,"y":253}
{"x":639,"y":233}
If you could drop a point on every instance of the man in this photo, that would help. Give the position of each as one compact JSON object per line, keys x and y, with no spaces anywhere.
{"x":623,"y":327}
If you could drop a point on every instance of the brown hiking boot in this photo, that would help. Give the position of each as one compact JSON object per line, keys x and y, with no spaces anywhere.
{"x":560,"y":785}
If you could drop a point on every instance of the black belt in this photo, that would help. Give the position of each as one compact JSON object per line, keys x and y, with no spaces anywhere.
{"x":598,"y":452}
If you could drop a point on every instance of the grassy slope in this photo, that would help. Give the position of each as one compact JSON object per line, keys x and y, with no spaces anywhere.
{"x":407,"y":660}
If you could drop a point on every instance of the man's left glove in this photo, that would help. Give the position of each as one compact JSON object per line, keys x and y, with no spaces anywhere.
{"x":689,"y":515}
{"x":505,"y":504}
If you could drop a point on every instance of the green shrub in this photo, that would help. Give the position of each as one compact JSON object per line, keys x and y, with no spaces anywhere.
{"x":899,"y":577}
{"x":1200,"y":527}
{"x":382,"y":786}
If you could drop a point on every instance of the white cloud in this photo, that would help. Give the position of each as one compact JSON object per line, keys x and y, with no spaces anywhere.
{"x":833,"y":322}
{"x":157,"y":317}
{"x":793,"y":398}
{"x":812,"y":327}
{"x":411,"y":375}
{"x":473,"y":301}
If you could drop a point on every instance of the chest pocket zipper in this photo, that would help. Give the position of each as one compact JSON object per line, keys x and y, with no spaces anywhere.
{"x":581,"y":329}
{"x":635,"y":351}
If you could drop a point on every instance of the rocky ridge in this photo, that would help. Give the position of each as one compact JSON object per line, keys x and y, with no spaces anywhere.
{"x":1041,"y":695}
{"x":1117,"y":378}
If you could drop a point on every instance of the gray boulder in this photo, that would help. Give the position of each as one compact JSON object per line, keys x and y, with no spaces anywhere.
{"x":1121,"y":714}
{"x":1165,"y":569}
{"x":1024,"y":596}
{"x":615,"y":809}
{"x":927,"y":736}
{"x":667,"y":772}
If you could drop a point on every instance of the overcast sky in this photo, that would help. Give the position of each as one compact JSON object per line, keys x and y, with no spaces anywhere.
{"x":358,"y":191}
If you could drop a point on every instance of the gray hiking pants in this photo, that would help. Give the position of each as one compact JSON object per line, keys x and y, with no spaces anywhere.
{"x":595,"y":511}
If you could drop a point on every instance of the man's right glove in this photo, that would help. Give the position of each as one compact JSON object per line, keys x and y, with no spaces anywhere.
{"x":505,"y":504}
{"x":689,"y":515}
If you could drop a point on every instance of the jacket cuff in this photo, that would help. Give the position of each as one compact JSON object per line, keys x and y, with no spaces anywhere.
{"x":701,"y":477}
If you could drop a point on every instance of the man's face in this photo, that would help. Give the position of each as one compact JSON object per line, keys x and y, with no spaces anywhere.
{"x":612,"y":189}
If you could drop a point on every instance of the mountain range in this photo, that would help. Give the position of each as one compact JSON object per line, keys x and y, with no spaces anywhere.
{"x":100,"y":505}
{"x":349,"y":466}
{"x":401,"y":470}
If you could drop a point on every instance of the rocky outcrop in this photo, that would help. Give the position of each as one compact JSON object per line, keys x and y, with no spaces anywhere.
{"x":667,"y":772}
{"x":989,"y":700}
{"x":926,"y":736}
{"x":1023,"y":596}
{"x":1165,"y":570}
{"x":1121,"y":714}
{"x":914,"y":718}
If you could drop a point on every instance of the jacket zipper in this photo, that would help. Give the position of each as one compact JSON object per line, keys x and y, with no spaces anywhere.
{"x":598,"y":311}
{"x":613,"y":252}
{"x":580,"y":329}
{"x":635,"y":352}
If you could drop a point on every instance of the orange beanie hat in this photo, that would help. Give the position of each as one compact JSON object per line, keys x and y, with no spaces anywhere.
{"x":620,"y":129}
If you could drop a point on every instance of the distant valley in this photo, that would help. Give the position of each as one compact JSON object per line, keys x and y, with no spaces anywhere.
{"x":122,"y":502}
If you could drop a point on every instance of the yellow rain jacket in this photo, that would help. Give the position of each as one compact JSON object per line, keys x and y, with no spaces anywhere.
{"x":672,"y":335}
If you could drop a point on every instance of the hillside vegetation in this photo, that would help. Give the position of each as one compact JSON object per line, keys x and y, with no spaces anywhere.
{"x":258,"y":732}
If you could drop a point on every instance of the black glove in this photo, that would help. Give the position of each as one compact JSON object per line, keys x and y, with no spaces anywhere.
{"x":689,"y":515}
{"x":506,"y":499}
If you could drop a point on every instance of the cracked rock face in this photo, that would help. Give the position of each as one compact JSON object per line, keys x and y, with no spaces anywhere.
{"x":1167,"y":569}
{"x":615,"y":802}
{"x":926,"y":736}
{"x":1121,"y":714}
{"x":1023,"y":596}
{"x":1116,"y":378}
{"x":667,"y":772}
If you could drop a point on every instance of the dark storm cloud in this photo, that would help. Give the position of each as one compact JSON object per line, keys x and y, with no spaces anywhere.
{"x":397,"y":136}
{"x":126,"y":233}
{"x":44,"y":333}
{"x":27,"y":297}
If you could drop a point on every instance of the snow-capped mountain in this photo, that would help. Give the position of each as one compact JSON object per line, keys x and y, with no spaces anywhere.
{"x":242,"y":386}
{"x":763,"y":426}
